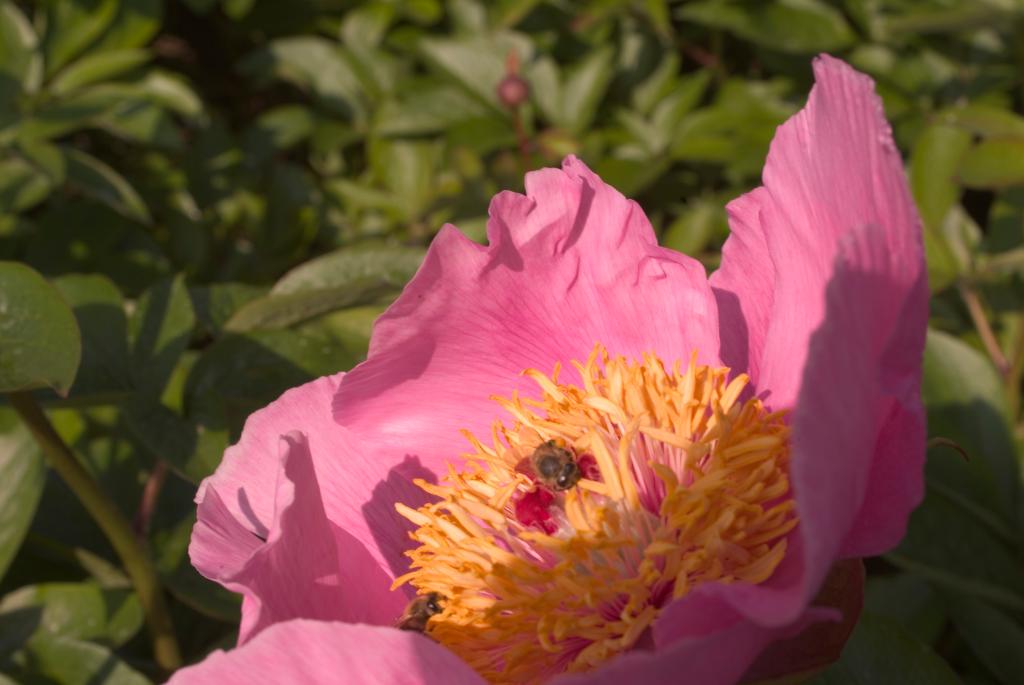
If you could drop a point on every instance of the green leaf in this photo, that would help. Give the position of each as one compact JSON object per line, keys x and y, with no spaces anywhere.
{"x":99,"y":181}
{"x":909,"y":601}
{"x":476,"y":63}
{"x":243,"y":372}
{"x":280,"y":311}
{"x":96,"y":67}
{"x":985,"y":120}
{"x":585,"y":85}
{"x":22,"y":474}
{"x":959,"y":553}
{"x":84,"y":611}
{"x":796,"y":26}
{"x":72,"y":26}
{"x":22,"y":184}
{"x":19,"y":56}
{"x":39,"y":340}
{"x":136,"y":22}
{"x":168,"y":436}
{"x":426,"y":109}
{"x":65,"y":661}
{"x":964,"y":398}
{"x":994,"y":163}
{"x":879,"y":651}
{"x":215,"y":304}
{"x":312,"y":63}
{"x":160,"y":330}
{"x":392,"y":265}
{"x":699,"y":222}
{"x":105,"y":372}
{"x":933,"y":180}
{"x":996,"y":638}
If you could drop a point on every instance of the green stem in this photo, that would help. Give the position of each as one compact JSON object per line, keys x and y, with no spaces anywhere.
{"x":114,"y":525}
{"x":988,"y":338}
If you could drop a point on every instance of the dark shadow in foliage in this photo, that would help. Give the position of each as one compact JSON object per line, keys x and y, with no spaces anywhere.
{"x":17,"y":626}
{"x":390,"y":529}
{"x":155,"y":359}
{"x":103,"y":374}
{"x":237,"y":376}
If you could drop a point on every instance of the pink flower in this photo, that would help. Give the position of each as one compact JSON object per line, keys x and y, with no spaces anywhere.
{"x":701,"y":508}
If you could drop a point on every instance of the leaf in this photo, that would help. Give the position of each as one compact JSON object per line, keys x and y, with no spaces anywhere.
{"x":242,"y":372}
{"x":22,"y":475}
{"x":104,"y":372}
{"x":910,"y":601}
{"x":64,"y":661}
{"x":426,"y":109}
{"x":168,"y":436}
{"x":22,"y":185}
{"x":214,"y":305}
{"x":795,"y":26}
{"x":985,"y":120}
{"x":964,"y":398}
{"x":996,"y":638}
{"x":19,"y":57}
{"x":99,"y":181}
{"x":136,"y":22}
{"x":477,"y":63}
{"x":95,"y":67}
{"x":392,"y":265}
{"x":994,"y":163}
{"x":40,"y":344}
{"x":585,"y":85}
{"x":72,"y":26}
{"x":160,"y":330}
{"x":314,"y":64}
{"x":280,"y":311}
{"x":933,"y":168}
{"x":959,"y":553}
{"x":83,"y":611}
{"x":881,"y":652}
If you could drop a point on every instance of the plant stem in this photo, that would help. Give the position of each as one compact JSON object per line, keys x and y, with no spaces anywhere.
{"x":988,"y":338}
{"x":113,"y":523}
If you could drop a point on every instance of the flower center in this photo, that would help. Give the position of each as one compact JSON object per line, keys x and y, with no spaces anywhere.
{"x":556,"y":547}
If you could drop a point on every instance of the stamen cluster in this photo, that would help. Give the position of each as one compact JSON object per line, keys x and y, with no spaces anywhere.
{"x":680,"y":483}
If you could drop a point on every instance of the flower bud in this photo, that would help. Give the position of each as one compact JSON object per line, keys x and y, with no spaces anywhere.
{"x":513,"y":91}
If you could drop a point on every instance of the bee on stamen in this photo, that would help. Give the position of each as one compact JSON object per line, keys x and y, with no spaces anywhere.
{"x":555,"y":466}
{"x":419,"y":611}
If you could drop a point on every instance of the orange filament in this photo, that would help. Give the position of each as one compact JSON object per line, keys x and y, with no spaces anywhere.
{"x":693,"y":487}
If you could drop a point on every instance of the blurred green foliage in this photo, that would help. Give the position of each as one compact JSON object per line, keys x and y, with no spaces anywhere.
{"x":225,"y":193}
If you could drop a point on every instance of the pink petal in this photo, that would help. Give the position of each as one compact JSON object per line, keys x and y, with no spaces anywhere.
{"x":713,"y":645}
{"x":832,"y":168}
{"x":835,"y":211}
{"x":316,"y":653}
{"x":306,"y":568}
{"x":744,"y":285}
{"x":570,"y":264}
{"x":358,"y":488}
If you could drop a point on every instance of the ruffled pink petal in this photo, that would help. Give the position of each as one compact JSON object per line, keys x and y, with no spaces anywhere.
{"x":307,"y":567}
{"x":318,"y":653}
{"x":835,"y":211}
{"x":569,"y":264}
{"x":358,"y":486}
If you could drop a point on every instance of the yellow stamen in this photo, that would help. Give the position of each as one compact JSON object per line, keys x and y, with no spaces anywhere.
{"x":685,"y":484}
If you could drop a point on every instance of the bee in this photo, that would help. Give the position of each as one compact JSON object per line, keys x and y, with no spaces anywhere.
{"x":555,"y":466}
{"x":419,"y":611}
